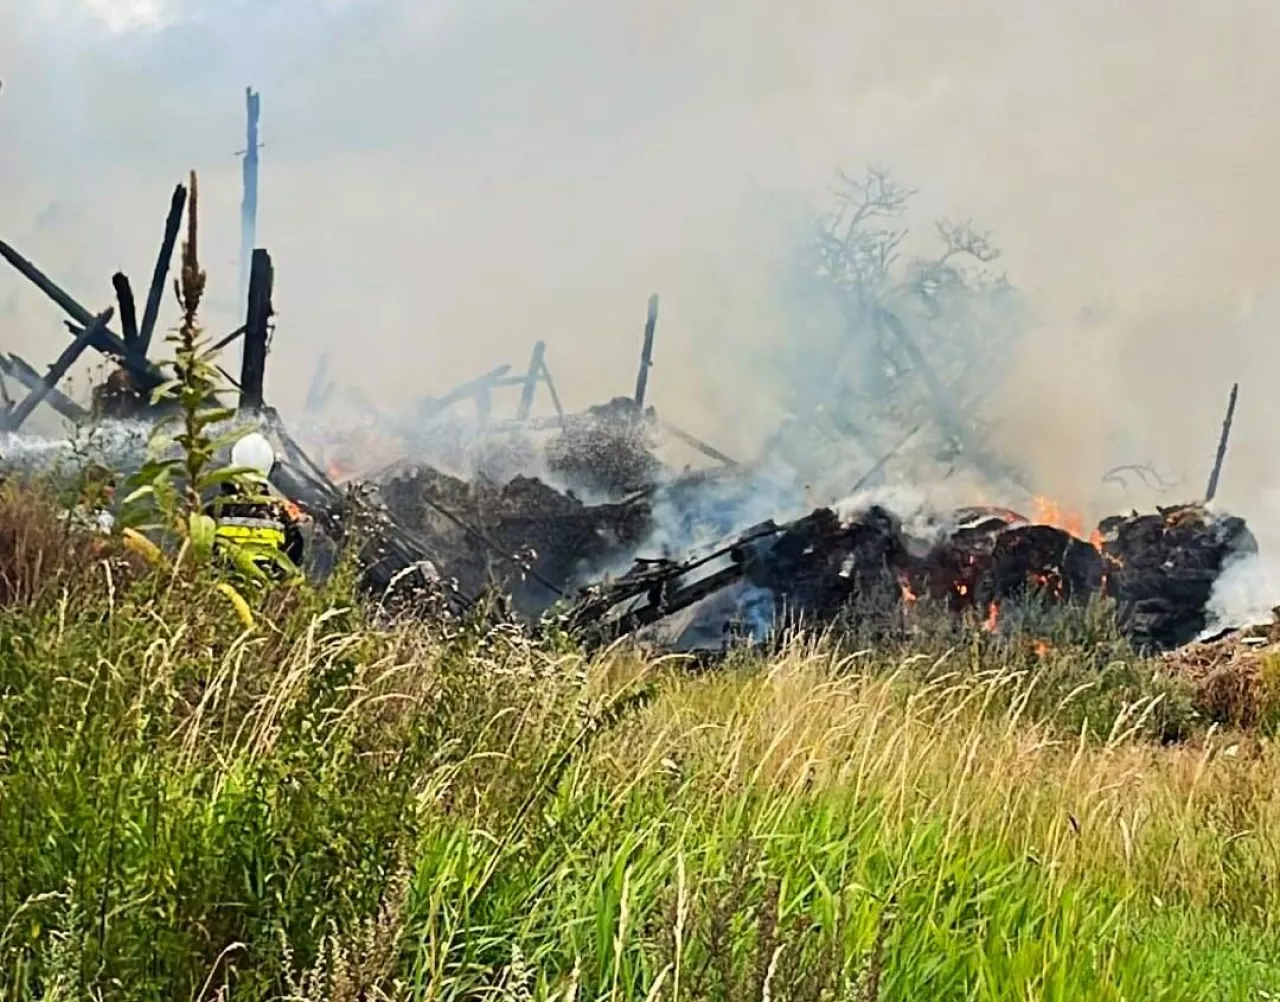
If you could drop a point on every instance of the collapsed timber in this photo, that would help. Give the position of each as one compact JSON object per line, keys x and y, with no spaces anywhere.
{"x":425,"y":540}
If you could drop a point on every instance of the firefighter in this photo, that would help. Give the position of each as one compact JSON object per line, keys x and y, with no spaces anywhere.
{"x":262,"y":525}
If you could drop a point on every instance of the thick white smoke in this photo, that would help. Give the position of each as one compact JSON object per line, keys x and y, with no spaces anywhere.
{"x":444,"y":183}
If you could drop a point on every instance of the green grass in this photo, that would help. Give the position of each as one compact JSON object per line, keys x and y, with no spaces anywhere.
{"x":318,"y":809}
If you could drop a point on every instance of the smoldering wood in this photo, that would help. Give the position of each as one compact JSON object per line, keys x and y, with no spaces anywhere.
{"x":388,"y":552}
{"x":1216,"y":472}
{"x":21,"y":371}
{"x":256,"y":332}
{"x":159,"y":275}
{"x":128,"y":310}
{"x":646,"y":352}
{"x":531,"y":380}
{"x":56,"y":371}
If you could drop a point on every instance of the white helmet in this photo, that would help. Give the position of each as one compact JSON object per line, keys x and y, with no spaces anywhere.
{"x":253,"y":452}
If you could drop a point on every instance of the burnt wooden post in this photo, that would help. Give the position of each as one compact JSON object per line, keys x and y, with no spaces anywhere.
{"x":249,"y":199}
{"x":646,"y":353}
{"x":253,"y":365}
{"x":151,"y":312}
{"x":531,"y":381}
{"x":59,"y":369}
{"x":1216,"y":472}
{"x":128,"y":310}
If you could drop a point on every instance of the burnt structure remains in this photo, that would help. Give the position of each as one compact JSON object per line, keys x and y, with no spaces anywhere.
{"x":575,"y":515}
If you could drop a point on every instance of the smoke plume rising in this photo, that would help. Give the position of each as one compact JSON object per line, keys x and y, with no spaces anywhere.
{"x":444,"y":183}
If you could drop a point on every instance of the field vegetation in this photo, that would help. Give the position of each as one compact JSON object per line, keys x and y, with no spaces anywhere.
{"x":311,"y":804}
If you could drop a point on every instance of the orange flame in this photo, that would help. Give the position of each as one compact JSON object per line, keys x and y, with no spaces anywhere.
{"x":993,"y":615}
{"x":908,"y":595}
{"x":1049,"y":512}
{"x":1042,"y":648}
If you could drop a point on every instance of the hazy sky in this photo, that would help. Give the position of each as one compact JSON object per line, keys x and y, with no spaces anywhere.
{"x":444,"y":182}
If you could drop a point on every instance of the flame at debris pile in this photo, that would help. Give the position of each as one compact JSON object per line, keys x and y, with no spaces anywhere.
{"x":1159,"y":569}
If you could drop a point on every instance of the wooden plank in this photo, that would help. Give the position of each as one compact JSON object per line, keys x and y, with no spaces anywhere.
{"x":151,"y":313}
{"x":256,"y":331}
{"x":531,"y":381}
{"x":56,"y":371}
{"x":128,"y":310}
{"x":646,"y":353}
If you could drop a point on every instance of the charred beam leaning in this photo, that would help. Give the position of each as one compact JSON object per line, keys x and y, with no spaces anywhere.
{"x":102,"y":339}
{"x":22,"y":372}
{"x":151,"y":313}
{"x":1216,"y":472}
{"x":697,"y":443}
{"x":256,"y":331}
{"x":531,"y":381}
{"x":646,"y":353}
{"x":59,"y":369}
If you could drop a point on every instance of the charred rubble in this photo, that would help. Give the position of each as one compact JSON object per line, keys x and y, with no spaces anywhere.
{"x":1159,"y":569}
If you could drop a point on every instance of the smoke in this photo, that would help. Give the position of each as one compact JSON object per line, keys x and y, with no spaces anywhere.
{"x":444,"y":183}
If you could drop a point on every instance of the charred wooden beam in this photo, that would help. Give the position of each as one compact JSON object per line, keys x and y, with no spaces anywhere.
{"x":256,"y":330}
{"x":697,"y":443}
{"x":56,"y":371}
{"x":474,"y":388}
{"x":233,"y":336}
{"x":1216,"y":472}
{"x":21,"y":371}
{"x":151,"y":313}
{"x":103,"y":340}
{"x":531,"y":381}
{"x":646,"y":352}
{"x":128,"y":310}
{"x":551,"y":388}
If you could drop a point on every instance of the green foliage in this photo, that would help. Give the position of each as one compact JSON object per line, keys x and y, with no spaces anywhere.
{"x":316,"y":810}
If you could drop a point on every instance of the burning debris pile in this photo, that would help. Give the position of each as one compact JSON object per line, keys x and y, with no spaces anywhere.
{"x":522,"y":537}
{"x":609,"y":450}
{"x":1159,"y":569}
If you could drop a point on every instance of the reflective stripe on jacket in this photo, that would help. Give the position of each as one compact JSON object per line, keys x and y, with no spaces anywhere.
{"x":252,"y":533}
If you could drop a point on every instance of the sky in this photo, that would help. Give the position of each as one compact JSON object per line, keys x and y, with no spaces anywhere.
{"x":444,"y":183}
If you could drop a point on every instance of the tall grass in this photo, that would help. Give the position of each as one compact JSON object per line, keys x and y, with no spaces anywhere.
{"x":317,"y":809}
